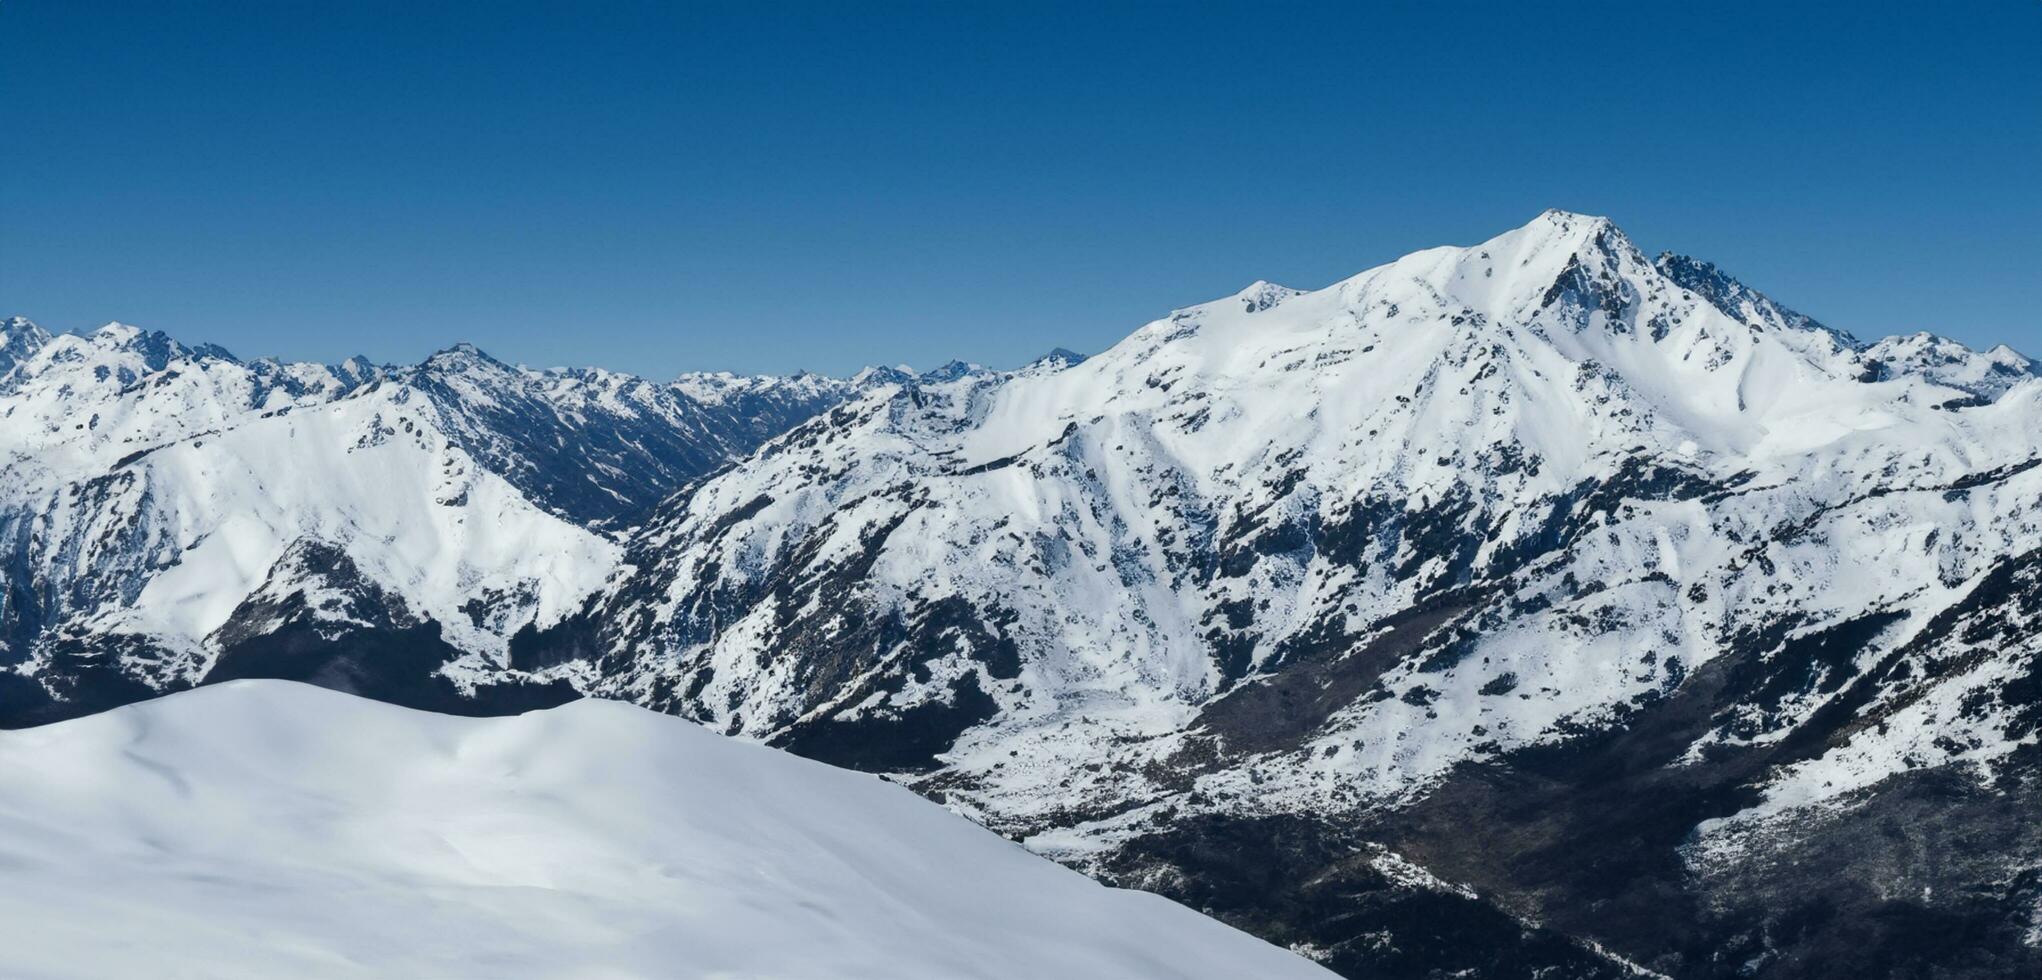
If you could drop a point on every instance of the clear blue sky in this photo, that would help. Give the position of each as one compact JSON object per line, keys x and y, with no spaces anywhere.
{"x":657,"y":187}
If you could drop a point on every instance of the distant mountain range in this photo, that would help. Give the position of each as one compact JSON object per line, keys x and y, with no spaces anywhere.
{"x":1534,"y":608}
{"x":170,"y":513}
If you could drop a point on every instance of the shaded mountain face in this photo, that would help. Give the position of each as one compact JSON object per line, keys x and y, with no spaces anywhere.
{"x":1533,"y":608}
{"x":600,"y":448}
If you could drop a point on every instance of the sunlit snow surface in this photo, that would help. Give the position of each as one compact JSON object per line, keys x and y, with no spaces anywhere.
{"x":268,"y":829}
{"x":1449,"y":416}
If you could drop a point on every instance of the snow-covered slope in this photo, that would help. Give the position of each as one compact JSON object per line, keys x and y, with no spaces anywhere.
{"x":266,"y":829}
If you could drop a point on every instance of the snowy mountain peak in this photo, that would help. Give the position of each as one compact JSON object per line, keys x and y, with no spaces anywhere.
{"x":1262,"y":295}
{"x":1569,"y":225}
{"x":881,"y":375}
{"x":20,"y":338}
{"x":951,"y":372}
{"x":357,"y":370}
{"x":155,"y":348}
{"x":1056,"y":360}
{"x":1566,"y":232}
{"x":21,"y":329}
{"x":1559,"y":260}
{"x":1564,"y":217}
{"x":1984,"y":376}
{"x":2013,"y":359}
{"x":464,"y":356}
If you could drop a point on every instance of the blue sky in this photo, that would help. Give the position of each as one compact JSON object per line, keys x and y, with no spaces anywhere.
{"x":658,"y":187}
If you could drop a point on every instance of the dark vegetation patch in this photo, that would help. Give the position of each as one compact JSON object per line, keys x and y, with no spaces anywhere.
{"x":893,"y":740}
{"x":1586,"y":835}
{"x":1297,"y":880}
{"x":1320,"y":677}
{"x":400,"y":666}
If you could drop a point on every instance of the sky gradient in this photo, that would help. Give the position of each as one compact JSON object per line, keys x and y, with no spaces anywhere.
{"x":659,"y":187}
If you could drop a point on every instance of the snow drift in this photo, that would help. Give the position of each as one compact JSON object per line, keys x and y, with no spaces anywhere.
{"x":268,"y":829}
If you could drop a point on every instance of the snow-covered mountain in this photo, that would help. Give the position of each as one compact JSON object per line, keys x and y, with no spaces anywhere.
{"x":1528,"y":608}
{"x":169,"y":511}
{"x":268,"y":829}
{"x":1453,"y":559}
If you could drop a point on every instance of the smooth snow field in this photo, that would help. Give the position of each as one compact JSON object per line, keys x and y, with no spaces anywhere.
{"x":270,"y":829}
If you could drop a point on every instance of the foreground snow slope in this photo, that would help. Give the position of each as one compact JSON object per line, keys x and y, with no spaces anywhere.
{"x":264,"y":828}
